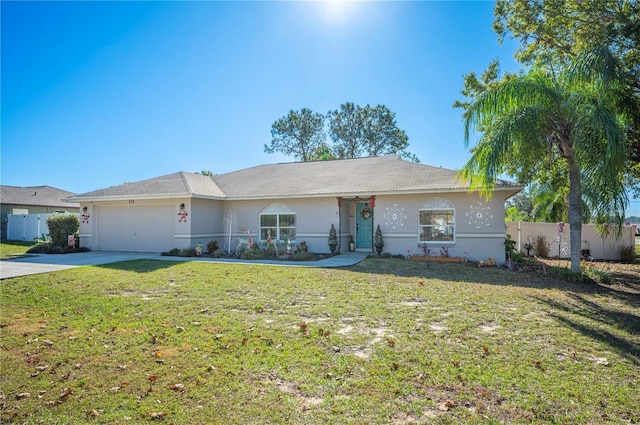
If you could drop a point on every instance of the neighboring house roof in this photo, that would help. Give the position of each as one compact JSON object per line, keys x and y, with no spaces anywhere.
{"x":344,"y":177}
{"x":40,"y":196}
{"x":176,"y":185}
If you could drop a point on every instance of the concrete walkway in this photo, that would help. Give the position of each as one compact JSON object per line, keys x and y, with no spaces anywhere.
{"x":45,"y":263}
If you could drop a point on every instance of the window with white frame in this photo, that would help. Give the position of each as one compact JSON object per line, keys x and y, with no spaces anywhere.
{"x":278,"y":222}
{"x":437,"y":221}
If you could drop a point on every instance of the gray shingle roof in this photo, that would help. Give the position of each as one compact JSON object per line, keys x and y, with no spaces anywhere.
{"x":181,"y":184}
{"x":372,"y":175}
{"x":42,"y":196}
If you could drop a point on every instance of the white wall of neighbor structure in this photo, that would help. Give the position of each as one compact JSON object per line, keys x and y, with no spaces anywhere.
{"x":27,"y":227}
{"x":601,"y":248}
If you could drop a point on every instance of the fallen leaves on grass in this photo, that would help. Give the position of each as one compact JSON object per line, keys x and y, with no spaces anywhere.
{"x":178,"y":388}
{"x":446,"y":405}
{"x":157,"y":415}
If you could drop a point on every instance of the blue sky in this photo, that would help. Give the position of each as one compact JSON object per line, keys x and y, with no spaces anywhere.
{"x":95,"y":94}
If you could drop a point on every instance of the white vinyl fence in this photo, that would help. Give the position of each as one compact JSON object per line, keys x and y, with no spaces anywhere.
{"x":27,"y":227}
{"x":557,"y":239}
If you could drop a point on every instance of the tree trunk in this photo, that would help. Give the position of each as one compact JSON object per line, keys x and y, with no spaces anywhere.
{"x":575,"y":214}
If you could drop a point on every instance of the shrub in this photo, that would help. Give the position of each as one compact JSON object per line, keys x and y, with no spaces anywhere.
{"x":251,"y":254}
{"x":509,"y":246}
{"x":61,"y":226}
{"x":541,"y":247}
{"x":518,"y":257}
{"x":627,"y":254}
{"x":49,"y":248}
{"x":187,"y":252}
{"x":218,"y":253}
{"x":174,"y":252}
{"x":212,"y":246}
{"x":40,"y":248}
{"x":301,"y":247}
{"x":57,"y":249}
{"x":379,"y":243}
{"x":301,"y":256}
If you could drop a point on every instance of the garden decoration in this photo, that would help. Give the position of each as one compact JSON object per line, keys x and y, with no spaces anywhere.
{"x":333,"y":239}
{"x":182,"y":214}
{"x":378,"y":242}
{"x":242,"y":242}
{"x":271,"y":242}
{"x":85,"y":215}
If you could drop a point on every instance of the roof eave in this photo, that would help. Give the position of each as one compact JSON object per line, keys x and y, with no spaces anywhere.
{"x":515,"y":189}
{"x":85,"y":199}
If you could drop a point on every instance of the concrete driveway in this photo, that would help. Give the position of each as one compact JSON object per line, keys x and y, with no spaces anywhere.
{"x":45,"y":263}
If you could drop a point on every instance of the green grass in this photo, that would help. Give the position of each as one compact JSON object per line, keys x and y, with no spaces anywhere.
{"x":386,"y":341}
{"x":11,"y":249}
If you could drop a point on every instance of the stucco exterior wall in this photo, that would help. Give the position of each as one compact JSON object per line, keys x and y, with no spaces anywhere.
{"x":200,"y":224}
{"x":314,"y":217}
{"x":479,"y":224}
{"x":206,"y":222}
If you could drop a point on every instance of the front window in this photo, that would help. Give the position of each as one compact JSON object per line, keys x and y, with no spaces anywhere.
{"x":278,"y":223}
{"x":437,"y":221}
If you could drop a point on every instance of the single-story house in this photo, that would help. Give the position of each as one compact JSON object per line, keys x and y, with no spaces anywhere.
{"x":415,"y":206}
{"x":33,"y":200}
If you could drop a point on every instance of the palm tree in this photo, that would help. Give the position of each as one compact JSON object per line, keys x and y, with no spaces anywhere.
{"x":544,"y":115}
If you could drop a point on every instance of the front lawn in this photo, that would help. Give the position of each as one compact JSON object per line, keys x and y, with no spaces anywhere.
{"x":386,"y":341}
{"x":12,"y":249}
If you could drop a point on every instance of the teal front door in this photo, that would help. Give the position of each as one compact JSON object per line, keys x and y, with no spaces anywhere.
{"x":364,"y":226}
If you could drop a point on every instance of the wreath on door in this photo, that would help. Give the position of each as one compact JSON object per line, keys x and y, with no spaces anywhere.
{"x":366,"y":213}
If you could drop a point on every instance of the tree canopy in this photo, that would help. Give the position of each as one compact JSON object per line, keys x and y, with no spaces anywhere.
{"x":554,"y":33}
{"x":566,"y":114}
{"x":354,"y":131}
{"x":299,"y":134}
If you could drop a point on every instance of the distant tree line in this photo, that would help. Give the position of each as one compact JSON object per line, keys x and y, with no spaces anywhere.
{"x":353,"y":131}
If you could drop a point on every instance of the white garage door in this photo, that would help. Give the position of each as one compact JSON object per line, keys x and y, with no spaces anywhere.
{"x":144,"y":228}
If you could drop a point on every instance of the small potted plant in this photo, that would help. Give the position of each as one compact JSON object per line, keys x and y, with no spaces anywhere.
{"x":377,"y":240}
{"x":333,"y":239}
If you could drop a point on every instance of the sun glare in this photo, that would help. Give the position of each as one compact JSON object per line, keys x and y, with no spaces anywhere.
{"x":336,"y":10}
